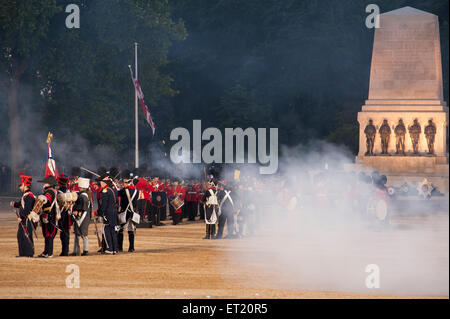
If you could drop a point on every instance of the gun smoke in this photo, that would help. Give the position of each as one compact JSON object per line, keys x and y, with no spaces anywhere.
{"x":322,"y":241}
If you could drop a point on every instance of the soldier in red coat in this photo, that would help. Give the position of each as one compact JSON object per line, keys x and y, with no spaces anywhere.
{"x":179,"y":191}
{"x":191,"y":204}
{"x":143,"y":202}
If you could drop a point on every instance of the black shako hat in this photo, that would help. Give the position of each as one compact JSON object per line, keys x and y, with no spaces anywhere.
{"x":103,"y":177}
{"x":49,"y":180}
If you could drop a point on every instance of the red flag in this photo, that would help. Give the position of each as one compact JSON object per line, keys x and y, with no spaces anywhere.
{"x":144,"y":107}
{"x":50,"y":167}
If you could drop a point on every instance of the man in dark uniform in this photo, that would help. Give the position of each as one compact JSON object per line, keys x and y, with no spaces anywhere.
{"x":64,"y":223}
{"x":48,"y":216}
{"x":107,"y":210}
{"x":26,"y":226}
{"x":226,"y":209}
{"x":158,"y":200}
{"x":128,"y":199}
{"x":81,"y":215}
{"x":211,"y":209}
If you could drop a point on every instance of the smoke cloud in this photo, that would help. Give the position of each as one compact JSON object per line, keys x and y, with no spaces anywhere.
{"x":320,"y":239}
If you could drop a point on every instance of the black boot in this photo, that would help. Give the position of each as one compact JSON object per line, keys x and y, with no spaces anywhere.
{"x":212,"y":232}
{"x":208,"y":232}
{"x":131,"y":239}
{"x":120,"y":240}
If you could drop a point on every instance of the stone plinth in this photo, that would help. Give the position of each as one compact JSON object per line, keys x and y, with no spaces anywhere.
{"x":406,"y":84}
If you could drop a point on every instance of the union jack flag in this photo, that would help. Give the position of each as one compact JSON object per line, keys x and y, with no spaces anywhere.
{"x":144,"y":107}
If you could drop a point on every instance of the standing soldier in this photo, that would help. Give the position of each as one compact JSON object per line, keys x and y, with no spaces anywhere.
{"x":211,"y":209}
{"x":107,"y":210}
{"x":226,"y":209}
{"x":26,"y":226}
{"x":143,"y":198}
{"x":430,"y":133}
{"x":385,"y":134}
{"x":191,"y":201}
{"x":128,"y":199}
{"x":81,"y":215}
{"x":158,"y":201}
{"x":400,"y":132}
{"x":179,"y":191}
{"x":414,"y":131}
{"x":49,"y":215}
{"x":64,"y":223}
{"x":370,"y":132}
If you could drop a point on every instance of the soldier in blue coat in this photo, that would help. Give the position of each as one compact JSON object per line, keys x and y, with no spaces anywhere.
{"x":108,"y":211}
{"x":26,"y":226}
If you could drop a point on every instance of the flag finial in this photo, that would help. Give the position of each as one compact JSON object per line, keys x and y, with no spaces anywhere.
{"x":49,"y":137}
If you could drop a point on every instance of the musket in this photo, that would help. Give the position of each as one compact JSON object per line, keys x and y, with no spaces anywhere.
{"x":95,"y":221}
{"x":85,"y":169}
{"x":23,"y":228}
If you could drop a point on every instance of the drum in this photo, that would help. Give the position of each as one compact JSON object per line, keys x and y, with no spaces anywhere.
{"x":38,"y":203}
{"x":65,"y":200}
{"x":378,"y":209}
{"x":176,"y":203}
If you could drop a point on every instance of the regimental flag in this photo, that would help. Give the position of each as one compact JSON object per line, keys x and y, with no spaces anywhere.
{"x":144,"y":107}
{"x":50,"y":167}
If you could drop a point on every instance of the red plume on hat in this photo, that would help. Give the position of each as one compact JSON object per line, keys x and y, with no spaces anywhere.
{"x":25,"y":180}
{"x":62,"y":179}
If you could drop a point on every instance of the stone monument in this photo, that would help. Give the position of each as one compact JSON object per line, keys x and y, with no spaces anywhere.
{"x":406,"y":95}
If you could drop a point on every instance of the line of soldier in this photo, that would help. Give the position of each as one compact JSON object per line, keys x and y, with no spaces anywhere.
{"x":121,"y":205}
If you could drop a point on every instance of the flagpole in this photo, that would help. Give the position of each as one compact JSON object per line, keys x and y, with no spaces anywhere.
{"x":136,"y":153}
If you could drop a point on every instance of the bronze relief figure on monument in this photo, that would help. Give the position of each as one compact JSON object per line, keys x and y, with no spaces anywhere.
{"x":400,"y":132}
{"x":430,"y":133}
{"x":414,"y":132}
{"x":385,"y":134}
{"x":370,"y":132}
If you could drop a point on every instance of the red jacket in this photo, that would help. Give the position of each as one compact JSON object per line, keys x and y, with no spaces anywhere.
{"x":175,"y":191}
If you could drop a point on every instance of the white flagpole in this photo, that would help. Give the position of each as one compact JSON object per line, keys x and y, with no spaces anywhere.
{"x":136,"y":154}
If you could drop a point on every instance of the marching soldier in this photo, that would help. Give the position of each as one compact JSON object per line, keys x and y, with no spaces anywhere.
{"x":107,"y":210}
{"x":64,"y":223}
{"x":128,"y":199}
{"x":26,"y":226}
{"x":81,"y":216}
{"x":49,"y":215}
